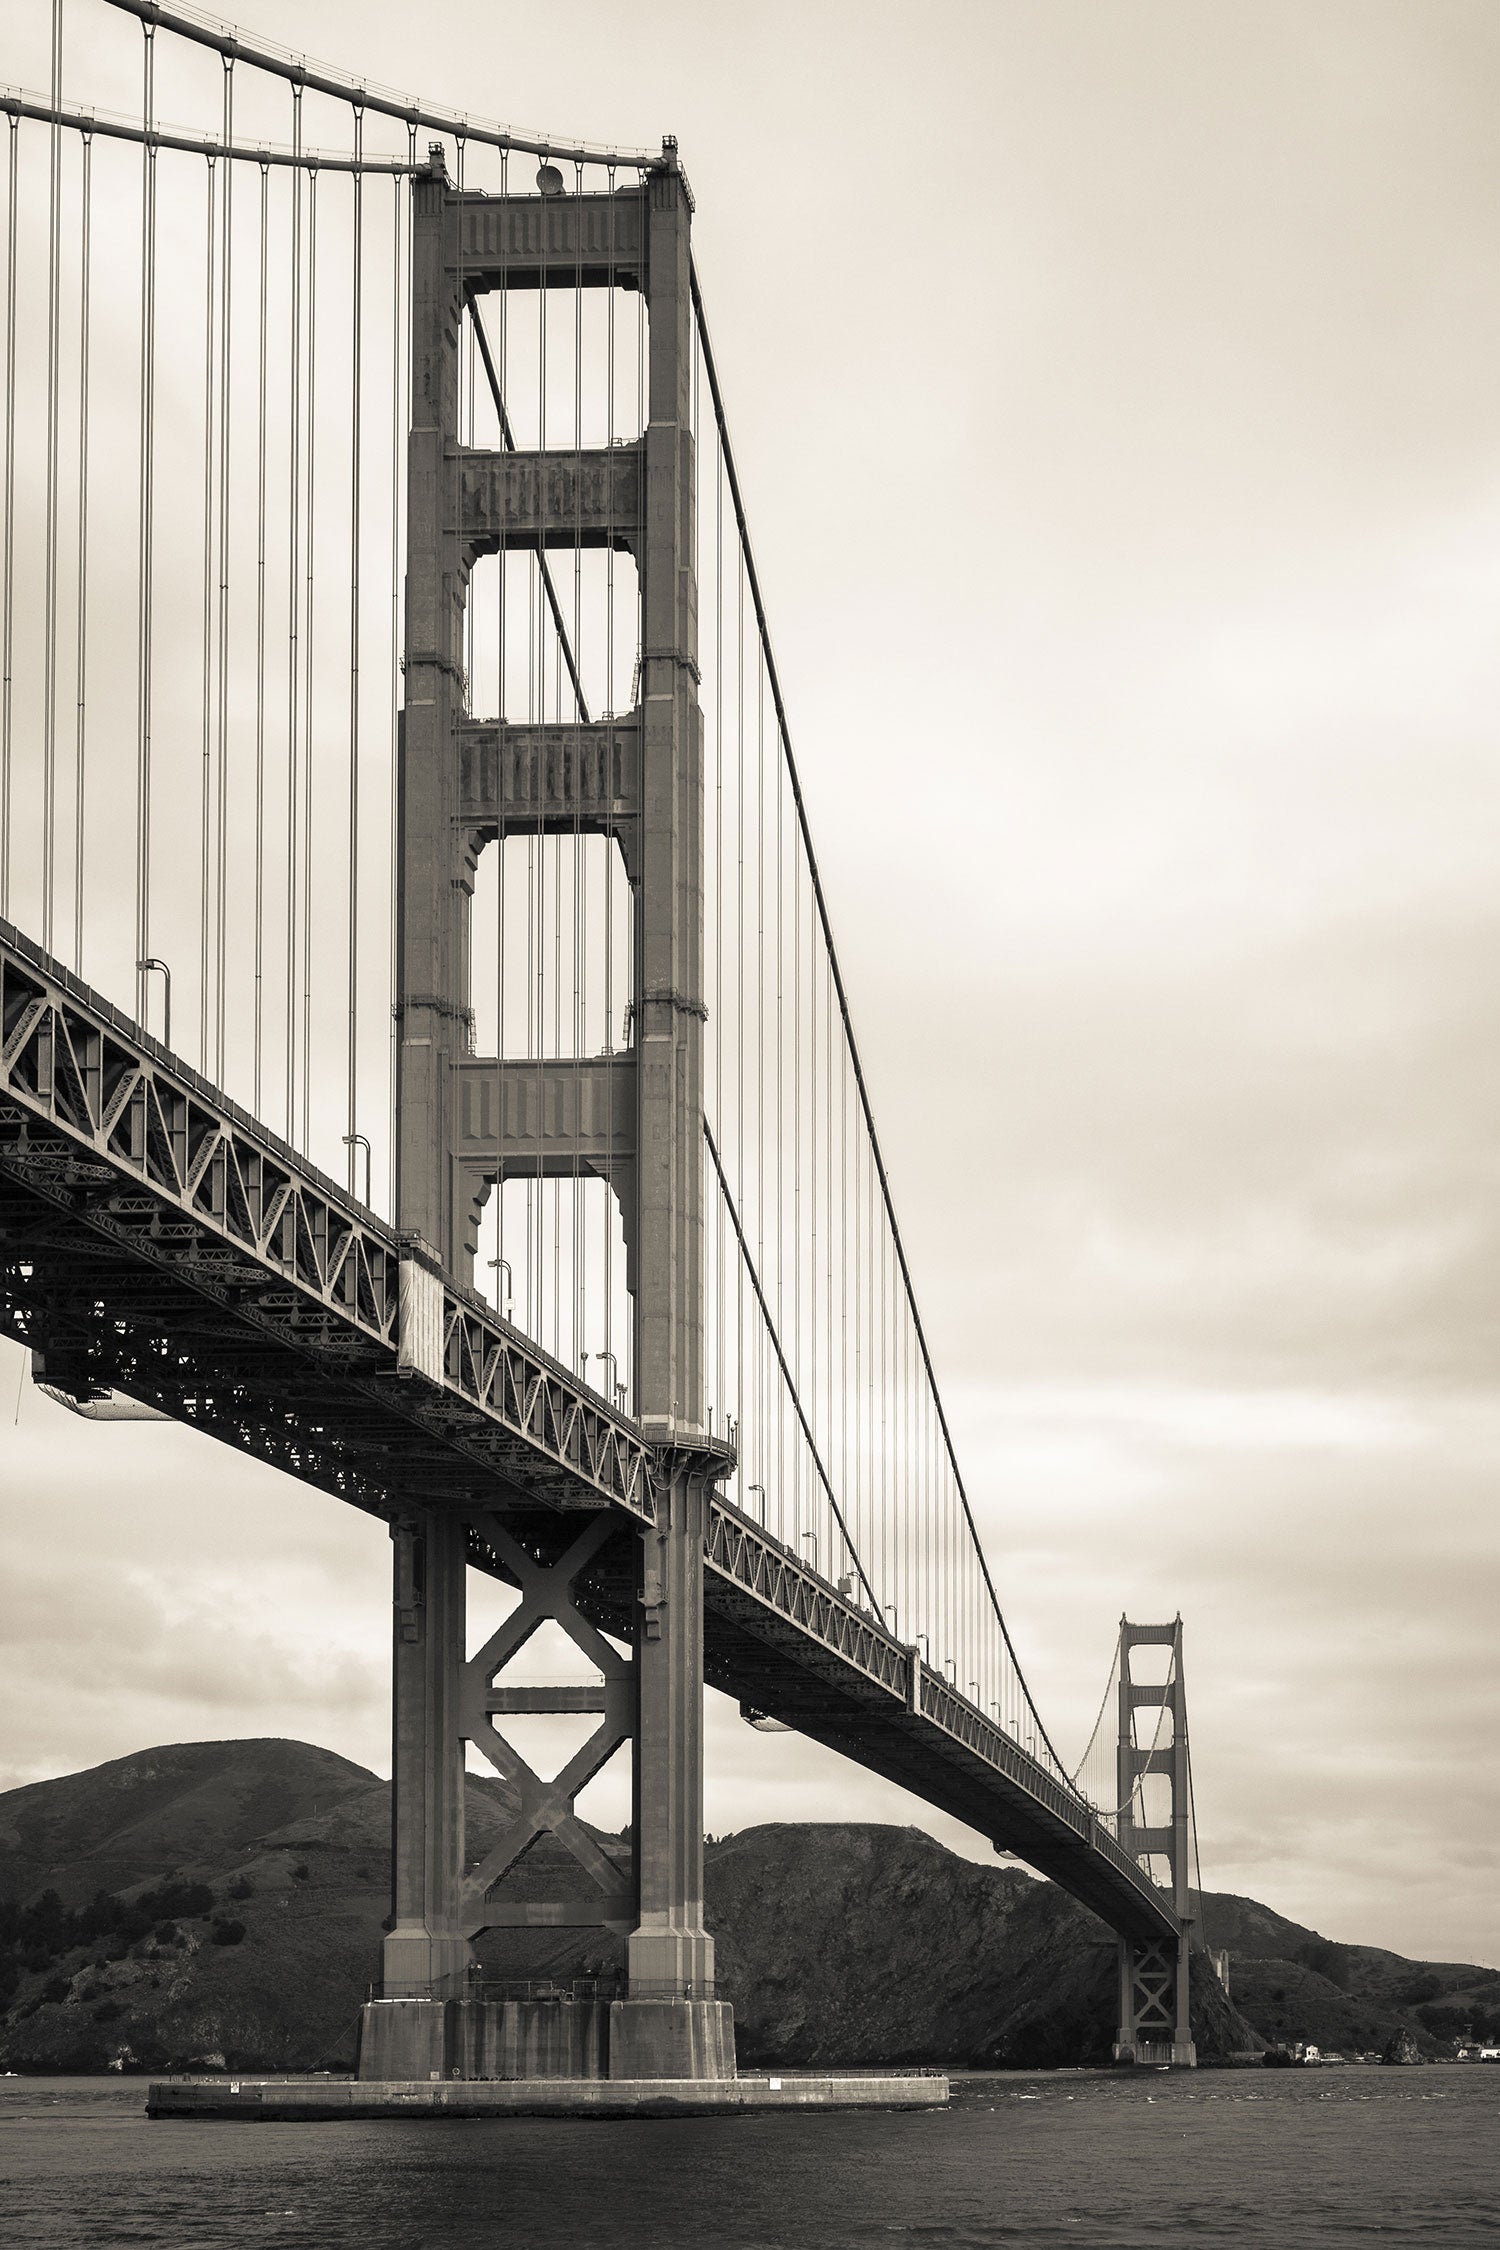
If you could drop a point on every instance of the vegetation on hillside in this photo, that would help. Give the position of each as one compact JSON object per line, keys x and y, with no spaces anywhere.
{"x":246,"y":1931}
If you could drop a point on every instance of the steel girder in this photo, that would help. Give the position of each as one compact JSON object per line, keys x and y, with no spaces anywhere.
{"x":164,"y":1242}
{"x":134,"y":1157}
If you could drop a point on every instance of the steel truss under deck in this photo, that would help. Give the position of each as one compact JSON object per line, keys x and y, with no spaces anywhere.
{"x":156,"y":1239}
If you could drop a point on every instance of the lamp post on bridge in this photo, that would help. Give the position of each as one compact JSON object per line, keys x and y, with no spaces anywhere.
{"x":146,"y":966}
{"x":352,"y":1141}
{"x":614,"y":1371}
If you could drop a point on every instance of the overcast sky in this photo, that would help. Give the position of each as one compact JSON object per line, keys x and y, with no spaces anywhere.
{"x":1116,"y":393}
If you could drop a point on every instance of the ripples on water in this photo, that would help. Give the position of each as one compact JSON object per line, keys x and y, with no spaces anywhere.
{"x":1292,"y":2159}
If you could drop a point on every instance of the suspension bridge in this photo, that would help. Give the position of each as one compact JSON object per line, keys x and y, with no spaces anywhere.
{"x":390,"y":723}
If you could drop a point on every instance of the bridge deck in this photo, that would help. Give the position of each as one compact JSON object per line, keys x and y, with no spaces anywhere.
{"x":156,"y":1239}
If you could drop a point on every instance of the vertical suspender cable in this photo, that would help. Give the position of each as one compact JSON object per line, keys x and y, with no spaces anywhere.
{"x":541,"y":897}
{"x":580,"y":900}
{"x":503,"y":1295}
{"x":309,"y":666}
{"x":260,"y":641}
{"x":611,"y":794}
{"x":760,"y":1058}
{"x":80,"y":743}
{"x":54,"y":344}
{"x":796,"y":1210}
{"x":815,"y":1114}
{"x":861,"y":1526}
{"x":831,"y":1424}
{"x":739,"y":1012}
{"x":146,"y":531}
{"x":718,"y":1015}
{"x":7,"y":631}
{"x":398,"y":439}
{"x":205,"y":786}
{"x":357,"y":285}
{"x":780,"y":1144}
{"x":221,"y":729}
{"x":787,"y":763}
{"x":294,"y":591}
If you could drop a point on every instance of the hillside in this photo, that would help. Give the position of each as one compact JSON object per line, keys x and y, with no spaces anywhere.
{"x":864,"y":1944}
{"x":1294,"y":1983}
{"x":223,"y":1903}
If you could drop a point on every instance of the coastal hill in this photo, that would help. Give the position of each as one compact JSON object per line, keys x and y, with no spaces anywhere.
{"x":139,"y":1818}
{"x":222,"y":1904}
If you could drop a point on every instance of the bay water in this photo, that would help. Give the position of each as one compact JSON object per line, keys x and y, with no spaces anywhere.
{"x":1261,"y":2160}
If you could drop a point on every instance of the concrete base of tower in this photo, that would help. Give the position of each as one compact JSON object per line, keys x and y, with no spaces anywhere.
{"x":671,"y":2039}
{"x":403,"y":2039}
{"x":480,"y":2039}
{"x":1157,"y":2054}
{"x":562,"y":2038}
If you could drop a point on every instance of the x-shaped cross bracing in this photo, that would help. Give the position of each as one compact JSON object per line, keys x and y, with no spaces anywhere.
{"x":546,"y":1807}
{"x":1153,"y":1987}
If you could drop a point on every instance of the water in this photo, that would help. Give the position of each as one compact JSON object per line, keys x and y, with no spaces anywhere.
{"x":1297,"y":2160}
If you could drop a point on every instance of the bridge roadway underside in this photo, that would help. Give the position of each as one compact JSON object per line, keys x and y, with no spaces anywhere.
{"x":351,"y":1429}
{"x":127,"y":1285}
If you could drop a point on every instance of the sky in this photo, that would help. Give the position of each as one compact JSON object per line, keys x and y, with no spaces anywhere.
{"x":1114,"y":390}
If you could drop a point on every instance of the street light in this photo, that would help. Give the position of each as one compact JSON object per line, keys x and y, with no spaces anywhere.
{"x":149,"y":963}
{"x":812,"y":1535}
{"x":352,"y":1141}
{"x":502,"y":1265}
{"x":760,"y":1488}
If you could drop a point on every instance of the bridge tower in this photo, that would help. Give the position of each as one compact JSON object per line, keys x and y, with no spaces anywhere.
{"x":1155,"y":2023}
{"x":466,"y":1123}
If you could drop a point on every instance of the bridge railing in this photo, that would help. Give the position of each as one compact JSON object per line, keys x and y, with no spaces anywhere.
{"x":91,"y":1106}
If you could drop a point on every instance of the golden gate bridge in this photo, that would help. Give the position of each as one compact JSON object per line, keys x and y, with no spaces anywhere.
{"x":425,"y":1062}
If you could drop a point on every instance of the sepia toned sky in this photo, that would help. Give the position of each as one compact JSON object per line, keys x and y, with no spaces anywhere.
{"x":1116,"y":387}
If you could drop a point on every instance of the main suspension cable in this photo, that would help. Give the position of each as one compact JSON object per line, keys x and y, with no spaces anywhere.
{"x":225,"y":39}
{"x":781,"y":1360}
{"x":800,"y":813}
